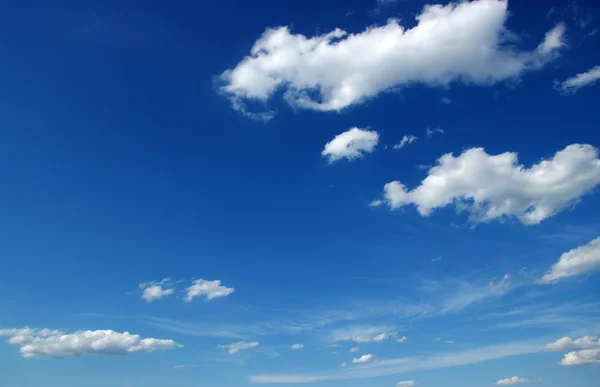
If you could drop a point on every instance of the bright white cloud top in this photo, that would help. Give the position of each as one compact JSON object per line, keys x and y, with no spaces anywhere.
{"x":52,"y":343}
{"x":573,"y":84}
{"x":208,"y":289}
{"x":491,"y":187}
{"x":578,"y":358}
{"x":239,"y":346}
{"x":155,"y":290}
{"x":581,"y":260}
{"x":351,"y":144}
{"x":464,"y":42}
{"x":567,"y":344}
{"x":363,"y":359}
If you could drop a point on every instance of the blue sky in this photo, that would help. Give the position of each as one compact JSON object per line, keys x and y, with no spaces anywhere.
{"x":339,"y":193}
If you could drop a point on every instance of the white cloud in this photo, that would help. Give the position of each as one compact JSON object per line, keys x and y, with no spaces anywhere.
{"x":496,"y":187}
{"x":355,"y":349}
{"x":446,"y":100}
{"x":581,"y":260}
{"x":573,"y":84}
{"x":406,"y":383}
{"x":406,"y":140}
{"x":410,"y":364}
{"x":465,"y":42}
{"x":402,"y":339}
{"x":449,"y":342}
{"x":384,"y":336}
{"x":431,"y":131}
{"x":239,"y":346}
{"x":351,"y":144}
{"x":209,"y":289}
{"x":52,"y":343}
{"x":344,"y":364}
{"x":178,"y":367}
{"x":566,"y":344}
{"x":363,"y":359}
{"x":363,"y":335}
{"x":586,"y":356}
{"x":510,"y":381}
{"x":297,"y":346}
{"x":156,"y":290}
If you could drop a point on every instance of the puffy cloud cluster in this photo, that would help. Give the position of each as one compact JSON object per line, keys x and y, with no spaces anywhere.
{"x":573,"y":84}
{"x":209,"y":289}
{"x":492,"y":187}
{"x":351,"y":144}
{"x":580,"y":260}
{"x":52,"y":343}
{"x":363,"y":359}
{"x":239,"y":346}
{"x":583,"y":357}
{"x":465,"y":41}
{"x":566,"y":344}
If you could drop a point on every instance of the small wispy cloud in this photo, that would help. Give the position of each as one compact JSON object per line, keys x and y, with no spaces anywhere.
{"x":239,"y":346}
{"x":406,"y":140}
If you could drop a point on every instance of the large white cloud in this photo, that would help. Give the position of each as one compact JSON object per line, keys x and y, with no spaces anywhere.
{"x":573,"y":84}
{"x":239,"y":346}
{"x":351,"y":144}
{"x":586,"y":356}
{"x":492,"y":187}
{"x":580,"y":260}
{"x":464,"y":41}
{"x":52,"y":343}
{"x":208,"y":289}
{"x":566,"y":344}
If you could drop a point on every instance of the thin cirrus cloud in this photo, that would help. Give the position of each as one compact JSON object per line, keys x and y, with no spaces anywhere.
{"x":406,"y":383}
{"x":351,"y":144}
{"x":297,"y":346}
{"x":40,"y":343}
{"x":581,"y":260}
{"x":492,"y":187}
{"x":464,"y":42}
{"x":406,"y":140}
{"x":208,"y":289}
{"x":573,"y":84}
{"x":239,"y":346}
{"x":363,"y":335}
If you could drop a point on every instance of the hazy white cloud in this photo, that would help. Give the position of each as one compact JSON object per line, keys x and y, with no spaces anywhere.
{"x":431,"y":131}
{"x":178,"y":367}
{"x":581,"y":260}
{"x":410,"y":364}
{"x":363,"y":335}
{"x":511,"y":381}
{"x":384,"y":336}
{"x":363,"y":359}
{"x":407,"y":139}
{"x":208,"y":289}
{"x":344,"y":364}
{"x":446,"y":100}
{"x":465,"y":42}
{"x":52,"y":343}
{"x":239,"y":346}
{"x":297,"y":346}
{"x":351,"y":144}
{"x":586,"y":356}
{"x":573,"y":84}
{"x":355,"y":349}
{"x":566,"y":344}
{"x":156,"y":290}
{"x":406,"y":383}
{"x":449,"y":342}
{"x":495,"y":187}
{"x":458,"y":296}
{"x":401,"y":339}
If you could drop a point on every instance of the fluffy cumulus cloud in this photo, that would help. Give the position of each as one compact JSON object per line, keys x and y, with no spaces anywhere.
{"x":577,"y":358}
{"x":351,"y":144}
{"x":492,"y":187}
{"x":208,"y":289}
{"x":239,"y":346}
{"x":156,"y":290}
{"x":406,"y":140}
{"x":363,"y":359}
{"x":464,"y":41}
{"x":510,"y":381}
{"x":406,"y":383}
{"x":573,"y":84}
{"x":298,"y":346}
{"x":41,"y":343}
{"x":567,"y":344}
{"x":583,"y":259}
